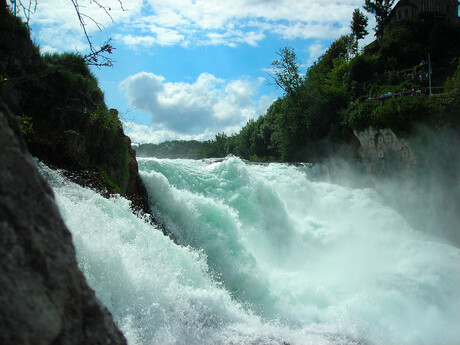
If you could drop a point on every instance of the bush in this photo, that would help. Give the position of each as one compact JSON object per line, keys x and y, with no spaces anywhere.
{"x":398,"y":114}
{"x":73,"y":76}
{"x":360,"y":115}
{"x":72,"y":62}
{"x":452,"y":88}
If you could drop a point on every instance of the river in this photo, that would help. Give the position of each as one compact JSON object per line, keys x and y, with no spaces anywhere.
{"x":261,"y":254}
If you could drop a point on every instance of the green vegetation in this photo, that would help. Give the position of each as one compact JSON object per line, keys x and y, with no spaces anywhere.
{"x":9,"y":20}
{"x":81,"y":108}
{"x":358,"y":25}
{"x":172,"y":149}
{"x":25,"y":124}
{"x":67,"y":122}
{"x":70,"y":70}
{"x":108,"y":181}
{"x":381,"y":9}
{"x":384,"y":86}
{"x":452,"y":92}
{"x":399,"y":114}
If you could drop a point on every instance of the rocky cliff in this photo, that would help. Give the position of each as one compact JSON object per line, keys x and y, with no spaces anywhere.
{"x":44,"y":297}
{"x":382,"y":151}
{"x":68,"y":123}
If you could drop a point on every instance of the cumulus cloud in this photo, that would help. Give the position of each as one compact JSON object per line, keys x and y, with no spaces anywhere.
{"x":136,"y":40}
{"x":57,"y":27}
{"x":142,"y":134}
{"x":198,"y":110}
{"x":214,"y":22}
{"x":315,"y":50}
{"x":145,"y":23}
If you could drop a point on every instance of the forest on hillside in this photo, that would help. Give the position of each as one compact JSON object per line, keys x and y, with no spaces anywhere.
{"x":386,"y":85}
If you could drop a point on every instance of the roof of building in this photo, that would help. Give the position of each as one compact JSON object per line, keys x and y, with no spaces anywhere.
{"x":404,"y":3}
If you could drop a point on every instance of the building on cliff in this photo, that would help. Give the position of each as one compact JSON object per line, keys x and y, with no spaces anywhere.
{"x":445,"y":12}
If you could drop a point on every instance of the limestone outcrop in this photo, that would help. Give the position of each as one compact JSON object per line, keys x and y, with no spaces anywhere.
{"x":44,"y":296}
{"x":382,"y":151}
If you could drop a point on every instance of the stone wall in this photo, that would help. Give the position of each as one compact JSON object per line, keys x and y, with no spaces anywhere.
{"x":382,"y":151}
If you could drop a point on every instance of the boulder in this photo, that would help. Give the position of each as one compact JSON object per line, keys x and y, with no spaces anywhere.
{"x":44,"y":296}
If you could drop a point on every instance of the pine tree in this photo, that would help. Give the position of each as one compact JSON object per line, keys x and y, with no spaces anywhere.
{"x":359,"y":24}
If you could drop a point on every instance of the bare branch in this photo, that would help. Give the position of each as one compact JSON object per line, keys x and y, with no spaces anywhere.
{"x":97,"y":55}
{"x":100,"y":26}
{"x":104,"y":9}
{"x":27,"y":10}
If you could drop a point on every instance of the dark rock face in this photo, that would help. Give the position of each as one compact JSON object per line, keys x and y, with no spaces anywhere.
{"x":44,"y":297}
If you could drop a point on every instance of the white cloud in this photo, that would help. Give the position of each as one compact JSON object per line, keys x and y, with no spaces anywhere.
{"x":142,"y":134}
{"x":200,"y":22}
{"x":315,"y":50}
{"x":199,"y":109}
{"x":57,"y":27}
{"x":214,"y":22}
{"x":309,"y":30}
{"x":264,"y":103}
{"x":166,"y":36}
{"x":135,"y":41}
{"x":233,"y":38}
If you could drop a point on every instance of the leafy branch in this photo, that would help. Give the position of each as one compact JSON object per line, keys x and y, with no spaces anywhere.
{"x":25,"y":124}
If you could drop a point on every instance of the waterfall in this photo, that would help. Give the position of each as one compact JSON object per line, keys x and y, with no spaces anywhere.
{"x":261,"y":254}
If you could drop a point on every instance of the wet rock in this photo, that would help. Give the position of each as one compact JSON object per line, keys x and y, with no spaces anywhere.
{"x":44,"y":296}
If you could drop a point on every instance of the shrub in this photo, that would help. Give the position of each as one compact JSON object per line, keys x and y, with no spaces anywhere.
{"x":399,"y":114}
{"x":25,"y":124}
{"x":72,"y":62}
{"x":360,"y":115}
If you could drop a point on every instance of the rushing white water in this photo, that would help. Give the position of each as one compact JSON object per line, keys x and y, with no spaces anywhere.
{"x":261,"y":255}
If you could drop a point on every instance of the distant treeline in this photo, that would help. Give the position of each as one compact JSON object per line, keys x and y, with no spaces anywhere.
{"x":172,"y":149}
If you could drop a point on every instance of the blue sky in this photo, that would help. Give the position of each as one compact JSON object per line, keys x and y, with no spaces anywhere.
{"x":188,"y":69}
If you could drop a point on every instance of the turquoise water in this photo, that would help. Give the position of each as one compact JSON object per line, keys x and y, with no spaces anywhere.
{"x":262,"y":254}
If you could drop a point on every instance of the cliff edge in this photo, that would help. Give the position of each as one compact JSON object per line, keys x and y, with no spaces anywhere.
{"x":44,"y":296}
{"x":63,"y":115}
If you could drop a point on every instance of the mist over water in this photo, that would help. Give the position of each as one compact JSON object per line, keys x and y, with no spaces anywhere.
{"x":428,"y":197}
{"x":262,"y":254}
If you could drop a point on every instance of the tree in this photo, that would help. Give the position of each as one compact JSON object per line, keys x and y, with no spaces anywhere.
{"x":343,"y":47}
{"x":381,"y":9}
{"x":286,"y":71}
{"x":97,"y":55}
{"x":359,"y":24}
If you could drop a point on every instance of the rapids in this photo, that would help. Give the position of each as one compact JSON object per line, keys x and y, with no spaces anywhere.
{"x":261,"y":254}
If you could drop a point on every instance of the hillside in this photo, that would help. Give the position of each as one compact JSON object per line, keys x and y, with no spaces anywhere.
{"x":385,"y":86}
{"x":63,"y":115}
{"x":45,"y":296}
